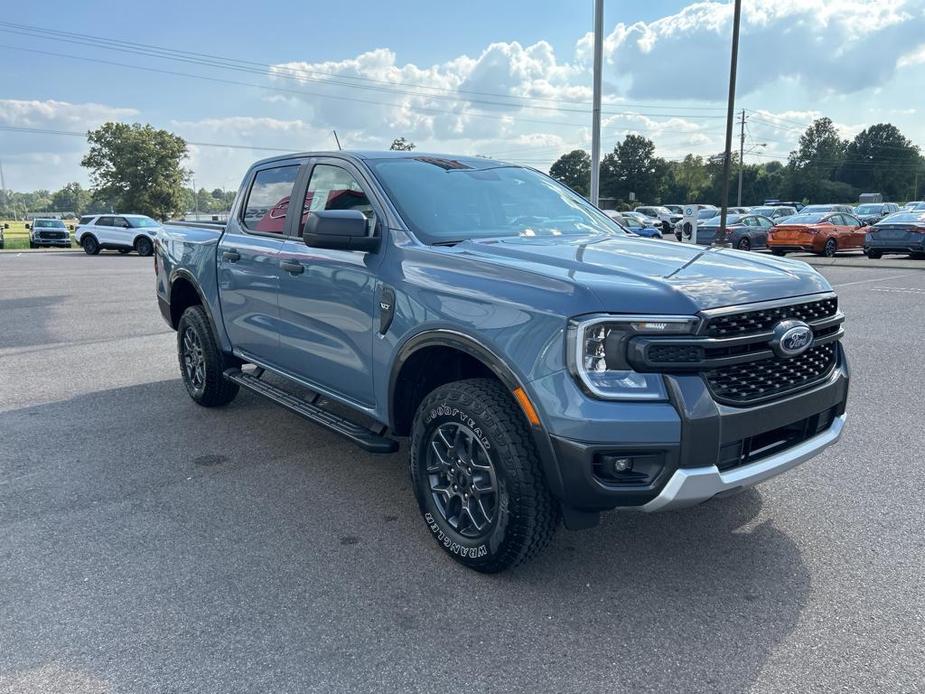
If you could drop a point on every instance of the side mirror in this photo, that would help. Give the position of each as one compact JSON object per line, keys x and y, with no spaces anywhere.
{"x":343,"y":230}
{"x":6,"y":225}
{"x":28,"y":226}
{"x":71,"y":227}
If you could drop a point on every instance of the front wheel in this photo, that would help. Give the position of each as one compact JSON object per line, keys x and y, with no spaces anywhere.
{"x":143,"y":246}
{"x":477,"y":477}
{"x":202,"y":363}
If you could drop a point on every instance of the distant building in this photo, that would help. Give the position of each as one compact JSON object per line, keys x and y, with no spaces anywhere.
{"x":50,"y":215}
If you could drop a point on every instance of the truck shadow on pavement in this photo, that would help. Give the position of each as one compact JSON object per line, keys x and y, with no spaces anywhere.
{"x":150,"y":544}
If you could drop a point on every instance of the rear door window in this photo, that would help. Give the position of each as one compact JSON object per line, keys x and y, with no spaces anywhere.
{"x":268,"y":199}
{"x":104,"y":222}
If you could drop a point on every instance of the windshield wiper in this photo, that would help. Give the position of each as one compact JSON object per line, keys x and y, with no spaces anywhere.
{"x":453,"y":242}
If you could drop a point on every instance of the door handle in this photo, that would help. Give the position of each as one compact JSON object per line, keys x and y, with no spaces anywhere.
{"x":231,"y":256}
{"x":292,"y":267}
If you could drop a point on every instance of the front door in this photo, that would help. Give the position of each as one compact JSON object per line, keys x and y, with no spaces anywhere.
{"x":327,"y":298}
{"x":248,"y":263}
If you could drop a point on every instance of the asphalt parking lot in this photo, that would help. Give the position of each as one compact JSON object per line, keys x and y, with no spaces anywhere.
{"x":148,"y":544}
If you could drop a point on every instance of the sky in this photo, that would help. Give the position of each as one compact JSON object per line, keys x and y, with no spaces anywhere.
{"x":511,"y":79}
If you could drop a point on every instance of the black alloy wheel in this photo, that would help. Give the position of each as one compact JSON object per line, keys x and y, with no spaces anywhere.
{"x":462,"y":480}
{"x":90,"y":245}
{"x":143,"y":246}
{"x":744,"y":244}
{"x":830,"y":248}
{"x":193,"y":360}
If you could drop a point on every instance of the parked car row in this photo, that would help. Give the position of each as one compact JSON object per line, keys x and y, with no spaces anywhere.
{"x":823,"y":229}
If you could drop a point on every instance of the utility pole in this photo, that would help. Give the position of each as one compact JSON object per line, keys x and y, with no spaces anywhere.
{"x":727,"y":158}
{"x":741,"y":157}
{"x":596,"y":102}
{"x":915,"y":185}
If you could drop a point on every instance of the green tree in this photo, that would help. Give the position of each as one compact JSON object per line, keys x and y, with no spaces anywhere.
{"x":880,"y":159}
{"x":137,"y":167}
{"x":632,"y":167}
{"x":819,"y":158}
{"x":400,"y":144}
{"x":71,"y":198}
{"x":574,"y":170}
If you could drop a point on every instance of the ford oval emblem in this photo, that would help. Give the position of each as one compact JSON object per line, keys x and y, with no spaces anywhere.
{"x":791,"y":338}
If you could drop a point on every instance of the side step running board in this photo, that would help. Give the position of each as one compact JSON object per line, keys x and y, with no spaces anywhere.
{"x":360,"y":435}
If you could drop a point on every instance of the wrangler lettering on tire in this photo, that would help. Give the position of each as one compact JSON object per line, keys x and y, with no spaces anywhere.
{"x":477,"y":478}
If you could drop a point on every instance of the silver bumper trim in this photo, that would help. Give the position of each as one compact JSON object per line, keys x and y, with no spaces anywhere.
{"x":692,"y":486}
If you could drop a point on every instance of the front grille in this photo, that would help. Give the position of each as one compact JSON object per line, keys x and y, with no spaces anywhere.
{"x":754,"y":448}
{"x":53,"y":234}
{"x":760,"y":380}
{"x":762,"y":320}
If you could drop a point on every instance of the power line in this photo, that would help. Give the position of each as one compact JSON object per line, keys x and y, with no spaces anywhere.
{"x":77,"y":133}
{"x":273,"y":71}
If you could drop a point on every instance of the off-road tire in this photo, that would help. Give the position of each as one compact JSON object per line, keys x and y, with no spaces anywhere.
{"x":90,"y":245}
{"x":143,"y":246}
{"x":526,"y":514}
{"x":214,"y":390}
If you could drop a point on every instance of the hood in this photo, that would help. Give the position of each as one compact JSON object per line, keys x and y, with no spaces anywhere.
{"x":635,"y":275}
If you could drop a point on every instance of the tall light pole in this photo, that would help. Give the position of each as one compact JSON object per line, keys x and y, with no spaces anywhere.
{"x":596,"y":102}
{"x":727,"y":158}
{"x":741,"y":158}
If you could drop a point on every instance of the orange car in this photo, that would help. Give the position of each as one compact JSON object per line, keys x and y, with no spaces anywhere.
{"x":823,"y":233}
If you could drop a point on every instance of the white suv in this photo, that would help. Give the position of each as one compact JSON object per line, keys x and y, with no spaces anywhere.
{"x":117,"y":232}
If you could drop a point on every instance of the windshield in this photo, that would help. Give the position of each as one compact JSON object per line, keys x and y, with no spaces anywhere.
{"x":447,"y":201}
{"x":807,"y":218}
{"x":868,"y":209}
{"x":141,"y":222}
{"x":49,"y":224}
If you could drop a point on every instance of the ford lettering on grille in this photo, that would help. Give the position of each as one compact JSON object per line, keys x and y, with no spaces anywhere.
{"x":791,"y":338}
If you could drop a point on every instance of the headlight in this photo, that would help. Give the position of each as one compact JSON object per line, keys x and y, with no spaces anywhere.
{"x":597,"y":354}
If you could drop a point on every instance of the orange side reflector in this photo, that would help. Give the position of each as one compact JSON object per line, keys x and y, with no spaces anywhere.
{"x":527,"y":406}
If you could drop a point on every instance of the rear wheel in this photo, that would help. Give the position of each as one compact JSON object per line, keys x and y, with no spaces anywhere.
{"x":476,"y":474}
{"x":90,"y":245}
{"x":778,"y":252}
{"x":744,"y":244}
{"x":830,"y":248}
{"x":202,"y":363}
{"x":874,"y":255}
{"x":32,"y":244}
{"x":143,"y":246}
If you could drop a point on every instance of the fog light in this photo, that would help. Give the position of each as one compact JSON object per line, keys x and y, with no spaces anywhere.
{"x":622,"y":464}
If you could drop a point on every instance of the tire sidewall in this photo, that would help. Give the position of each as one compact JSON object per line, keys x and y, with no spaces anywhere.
{"x":143,"y":246}
{"x":90,"y":245}
{"x":473,"y":552}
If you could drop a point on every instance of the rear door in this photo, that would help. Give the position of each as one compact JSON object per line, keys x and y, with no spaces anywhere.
{"x":855,"y":231}
{"x":248,"y":262}
{"x":103,"y":229}
{"x":327,"y":297}
{"x":122,"y":232}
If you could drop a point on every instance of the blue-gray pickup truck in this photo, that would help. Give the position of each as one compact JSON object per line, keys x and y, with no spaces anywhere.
{"x":544,"y":364}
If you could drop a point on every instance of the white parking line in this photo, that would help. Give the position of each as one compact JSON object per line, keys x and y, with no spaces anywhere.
{"x":876,"y":279}
{"x":899,"y":290}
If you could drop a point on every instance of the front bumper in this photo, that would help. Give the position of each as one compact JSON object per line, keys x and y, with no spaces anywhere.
{"x":689,"y":487}
{"x":705,"y":448}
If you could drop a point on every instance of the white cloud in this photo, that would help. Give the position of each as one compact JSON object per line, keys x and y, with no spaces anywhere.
{"x":839,"y":46}
{"x":34,"y":160}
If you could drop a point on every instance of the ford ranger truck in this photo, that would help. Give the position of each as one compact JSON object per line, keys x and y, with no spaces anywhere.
{"x":543,"y":364}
